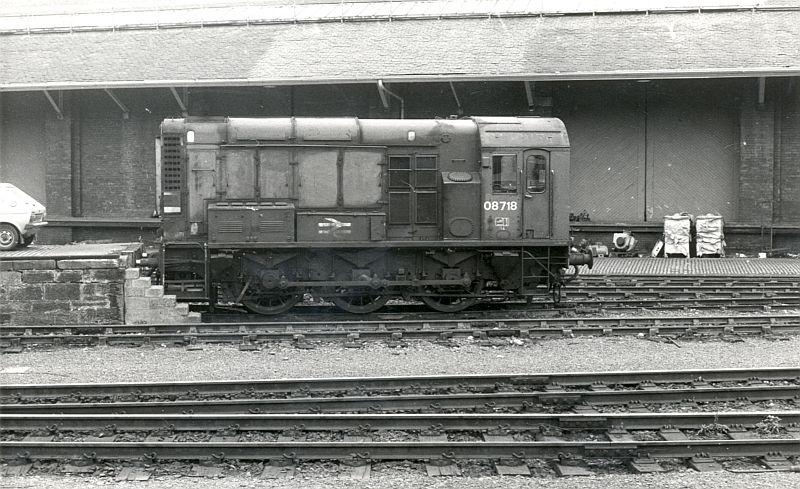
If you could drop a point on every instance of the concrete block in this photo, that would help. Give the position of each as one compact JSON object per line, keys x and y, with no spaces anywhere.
{"x":89,"y":304}
{"x":26,"y":293}
{"x":10,"y":278}
{"x":154,"y":291}
{"x":100,"y":315}
{"x":136,"y":316}
{"x":137,"y":304}
{"x":54,"y":317}
{"x":6,"y":265}
{"x":95,"y":290}
{"x":15,"y":307}
{"x":90,"y":263}
{"x":168,"y":301}
{"x":182,"y":309}
{"x":38,"y":276}
{"x":69,"y":276}
{"x":62,"y":291}
{"x":38,"y":307}
{"x":141,"y":282}
{"x":106,"y":275}
{"x":165,"y":316}
{"x":193,"y":317}
{"x":34,"y":264}
{"x":132,"y":273}
{"x":134,"y":291}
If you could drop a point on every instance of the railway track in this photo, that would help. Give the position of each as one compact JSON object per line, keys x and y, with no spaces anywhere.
{"x":394,"y":330}
{"x":588,"y":294}
{"x":39,"y":422}
{"x":22,"y":396}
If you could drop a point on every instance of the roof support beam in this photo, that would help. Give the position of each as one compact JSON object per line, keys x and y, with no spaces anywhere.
{"x":383,"y":92}
{"x":126,"y":114}
{"x":762,"y":88}
{"x":529,"y":88}
{"x":455,"y":96}
{"x":421,"y":78}
{"x":182,"y":100}
{"x":57,"y":106}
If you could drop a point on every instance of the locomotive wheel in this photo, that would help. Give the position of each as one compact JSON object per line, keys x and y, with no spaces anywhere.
{"x":360,"y":304}
{"x":270,"y":304}
{"x":358,"y":300}
{"x":449,"y":302}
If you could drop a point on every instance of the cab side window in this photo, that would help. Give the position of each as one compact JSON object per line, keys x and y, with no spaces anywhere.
{"x":504,"y":174}
{"x":536,"y":174}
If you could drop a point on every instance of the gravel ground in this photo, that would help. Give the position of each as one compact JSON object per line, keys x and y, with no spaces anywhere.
{"x":109,"y":364}
{"x":408,"y":479}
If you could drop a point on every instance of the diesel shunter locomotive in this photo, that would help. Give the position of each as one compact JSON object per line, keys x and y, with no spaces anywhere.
{"x":264,"y":212}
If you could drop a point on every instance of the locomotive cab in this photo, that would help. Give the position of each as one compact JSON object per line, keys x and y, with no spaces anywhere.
{"x":522,"y":160}
{"x":516,"y":194}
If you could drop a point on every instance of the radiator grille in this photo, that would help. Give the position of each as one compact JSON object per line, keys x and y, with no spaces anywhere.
{"x":271,"y":226}
{"x":171,"y":158}
{"x":231,"y":227}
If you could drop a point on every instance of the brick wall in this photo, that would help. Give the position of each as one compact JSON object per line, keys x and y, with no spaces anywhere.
{"x":118,"y":155}
{"x":756,"y":158}
{"x":788,"y":168}
{"x":23,"y":160}
{"x":35,"y":154}
{"x":48,"y":291}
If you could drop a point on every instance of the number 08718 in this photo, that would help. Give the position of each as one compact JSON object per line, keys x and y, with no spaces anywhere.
{"x":499,"y":205}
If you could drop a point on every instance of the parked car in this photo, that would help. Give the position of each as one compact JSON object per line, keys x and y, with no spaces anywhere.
{"x":20,"y":217}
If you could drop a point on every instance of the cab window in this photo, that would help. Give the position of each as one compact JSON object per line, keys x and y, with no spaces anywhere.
{"x":504,"y":173}
{"x":536,"y":174}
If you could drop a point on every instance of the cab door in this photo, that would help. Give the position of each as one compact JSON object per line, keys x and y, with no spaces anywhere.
{"x":537,"y":215}
{"x":502,"y":208}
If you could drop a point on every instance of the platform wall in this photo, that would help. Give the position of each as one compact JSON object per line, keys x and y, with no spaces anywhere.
{"x":62,"y":291}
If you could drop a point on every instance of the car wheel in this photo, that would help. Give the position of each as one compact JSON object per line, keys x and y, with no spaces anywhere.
{"x":9,"y":237}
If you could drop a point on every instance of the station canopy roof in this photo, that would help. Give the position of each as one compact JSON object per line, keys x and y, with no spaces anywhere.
{"x":78,"y":44}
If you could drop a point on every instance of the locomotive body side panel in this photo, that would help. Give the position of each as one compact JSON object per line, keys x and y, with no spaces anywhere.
{"x":275,"y":175}
{"x":559,"y":174}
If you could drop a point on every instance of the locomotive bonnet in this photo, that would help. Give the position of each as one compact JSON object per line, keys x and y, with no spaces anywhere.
{"x":262,"y":212}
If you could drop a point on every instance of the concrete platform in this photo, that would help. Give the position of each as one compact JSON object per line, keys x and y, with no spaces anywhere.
{"x":743,"y":267}
{"x":82,"y":251}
